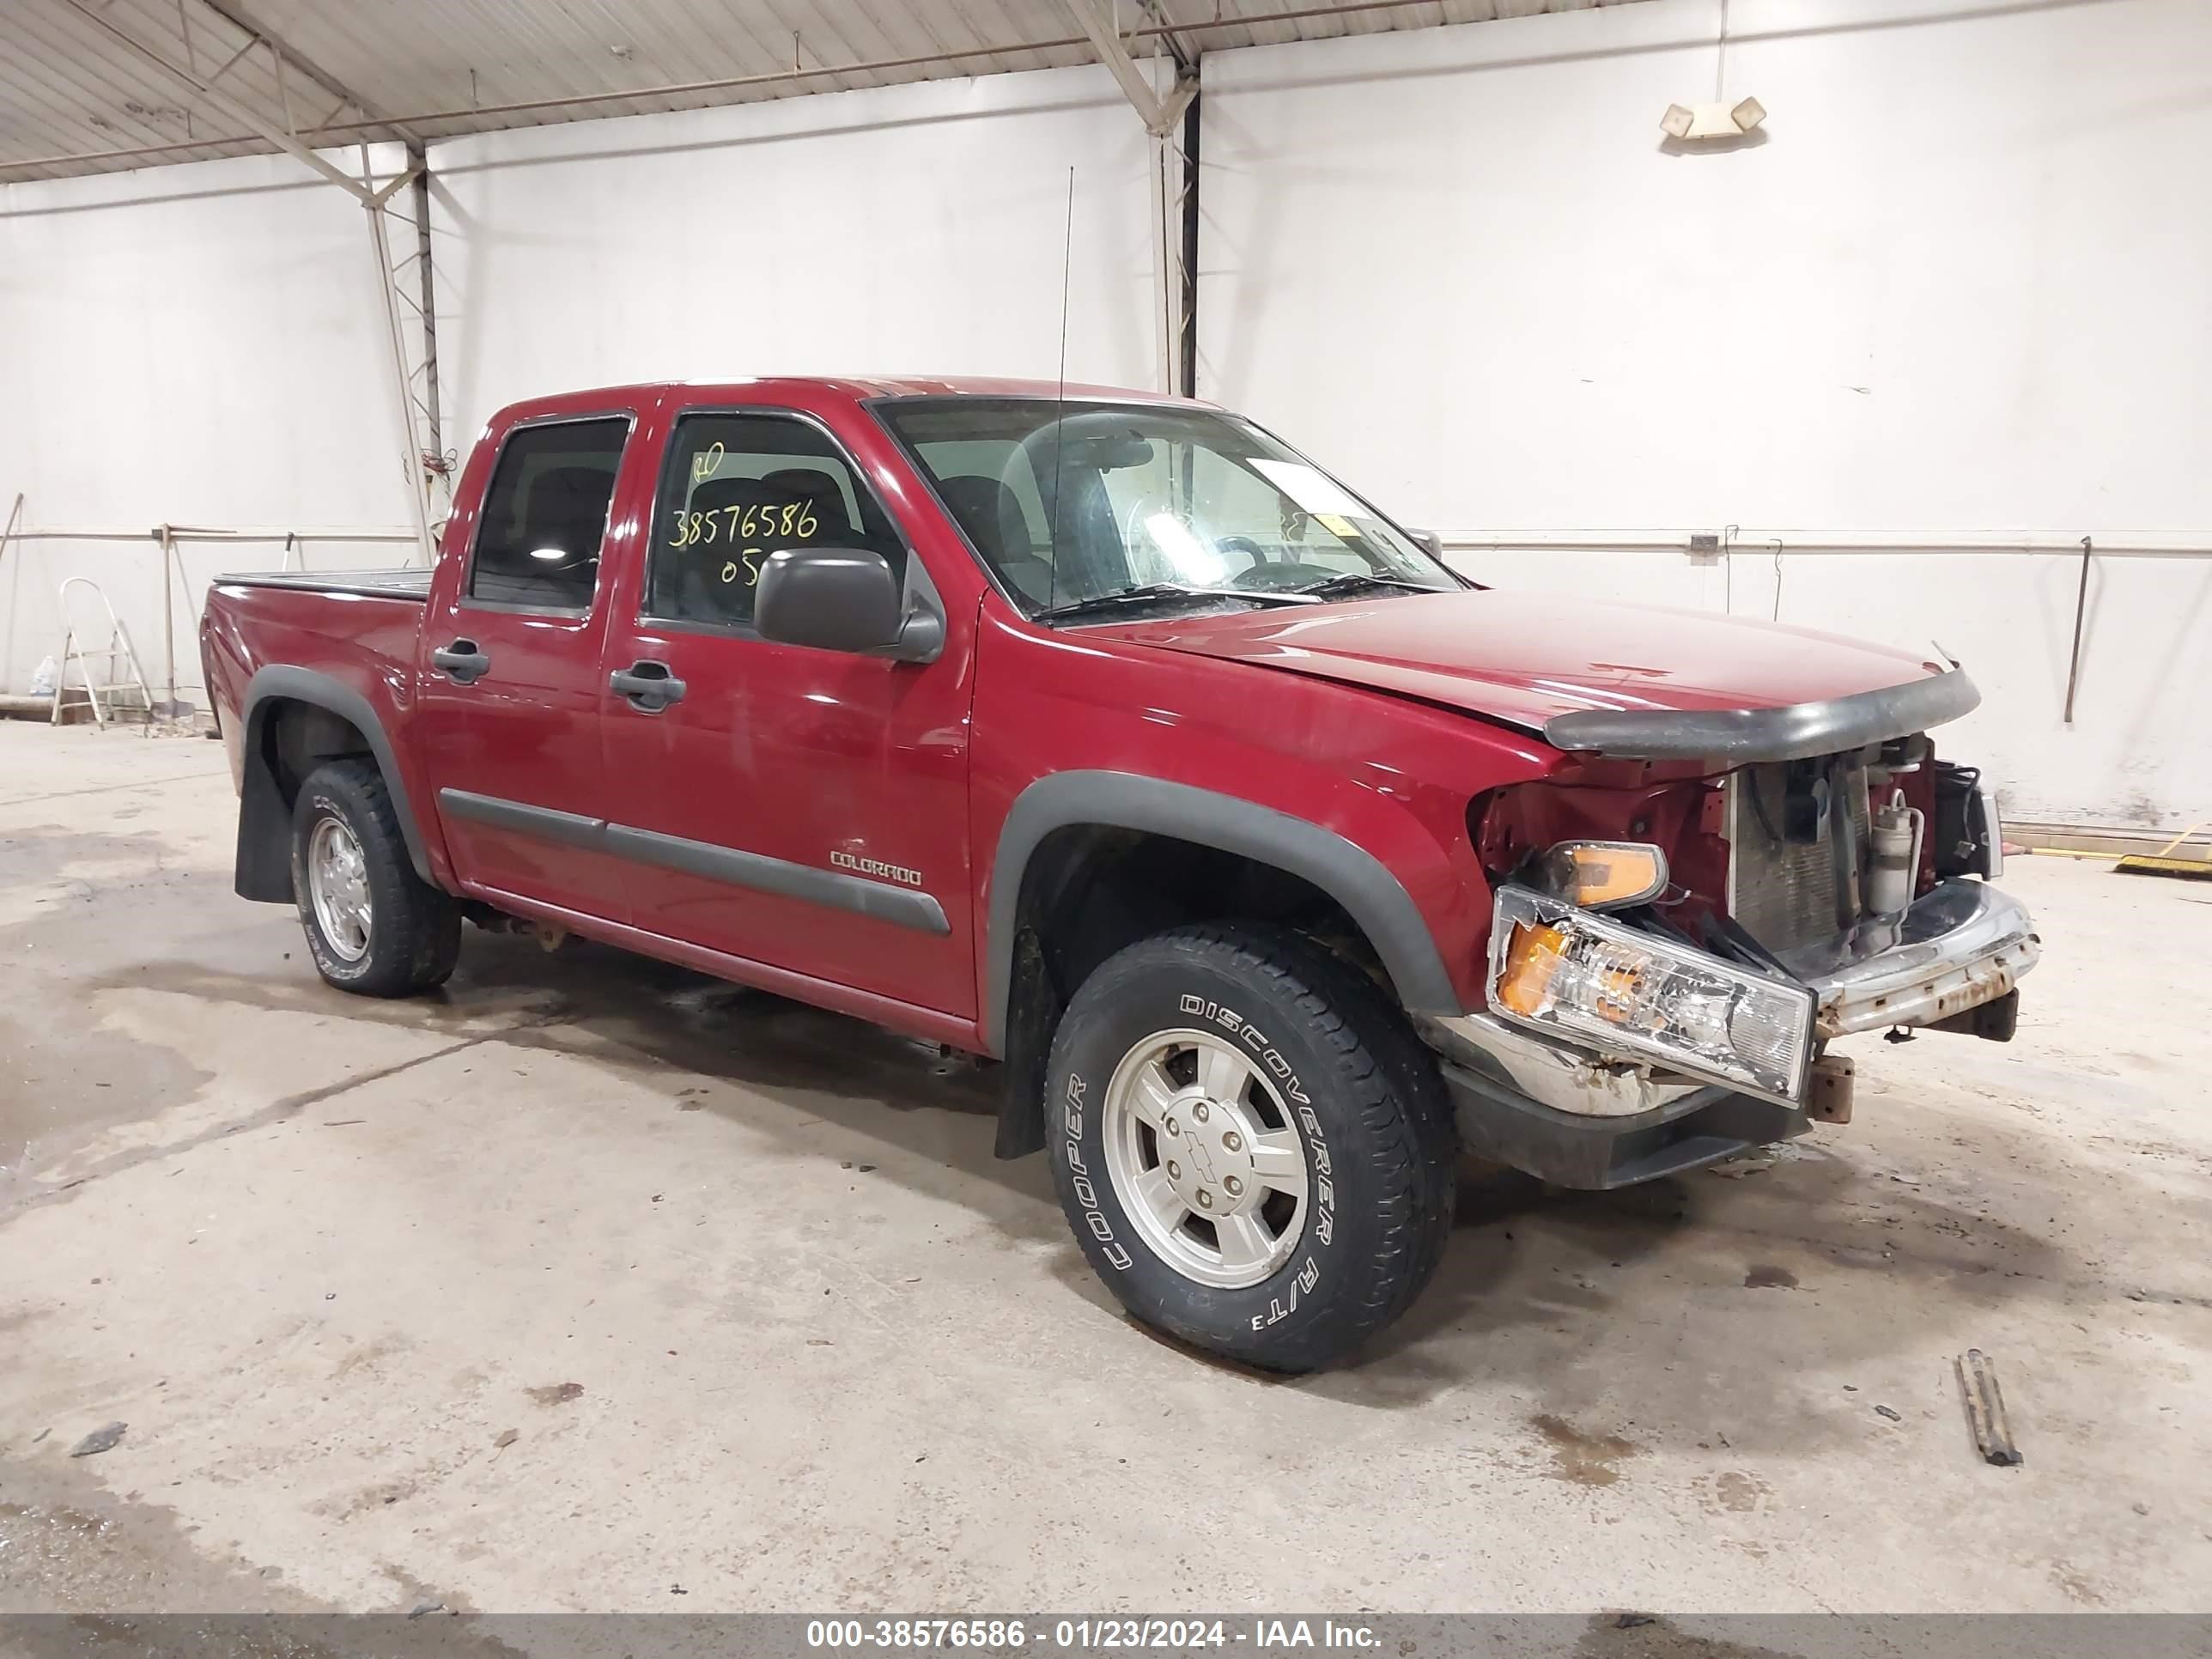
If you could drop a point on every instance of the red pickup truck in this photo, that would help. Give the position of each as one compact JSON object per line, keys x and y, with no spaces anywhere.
{"x":1104,"y":736}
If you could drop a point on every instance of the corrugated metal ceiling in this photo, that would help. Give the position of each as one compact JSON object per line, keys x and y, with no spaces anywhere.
{"x":77,"y":95}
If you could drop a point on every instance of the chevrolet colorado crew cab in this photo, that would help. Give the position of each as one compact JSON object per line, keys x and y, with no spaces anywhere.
{"x":1104,"y":736}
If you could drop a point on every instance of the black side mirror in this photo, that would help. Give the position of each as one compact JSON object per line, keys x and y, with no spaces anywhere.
{"x":841,"y":598}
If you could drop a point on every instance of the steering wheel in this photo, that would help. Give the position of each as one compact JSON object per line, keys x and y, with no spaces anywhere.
{"x":1256,"y":556}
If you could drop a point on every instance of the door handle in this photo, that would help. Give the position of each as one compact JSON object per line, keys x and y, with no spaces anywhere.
{"x":649,"y":686}
{"x":461,"y":662}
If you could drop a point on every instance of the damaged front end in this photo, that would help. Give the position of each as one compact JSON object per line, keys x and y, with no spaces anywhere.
{"x":1788,"y":876}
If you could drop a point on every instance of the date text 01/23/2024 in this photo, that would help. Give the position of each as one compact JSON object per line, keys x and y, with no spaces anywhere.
{"x":1085,"y":1635}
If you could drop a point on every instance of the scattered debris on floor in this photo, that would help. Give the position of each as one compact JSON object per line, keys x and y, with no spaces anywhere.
{"x":103,"y":1438}
{"x":556,"y":1393}
{"x":1743,"y":1163}
{"x":1889,"y":1411}
{"x":507,"y":1437}
{"x":1764,"y":1277}
{"x":422,"y":1610}
{"x":1985,"y":1412}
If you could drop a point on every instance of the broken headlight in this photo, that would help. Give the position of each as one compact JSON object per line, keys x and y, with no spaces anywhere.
{"x":1573,"y":973}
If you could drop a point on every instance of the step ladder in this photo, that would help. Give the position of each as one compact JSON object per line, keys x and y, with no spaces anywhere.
{"x":110,"y":680}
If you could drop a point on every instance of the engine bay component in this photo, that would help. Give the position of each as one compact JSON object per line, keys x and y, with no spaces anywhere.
{"x":1895,"y":838}
{"x":1969,"y":839}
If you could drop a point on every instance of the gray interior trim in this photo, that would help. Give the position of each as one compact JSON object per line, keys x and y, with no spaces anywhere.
{"x":1352,"y":875}
{"x":305,"y":685}
{"x":567,"y":829}
{"x":901,"y":907}
{"x":1794,"y":733}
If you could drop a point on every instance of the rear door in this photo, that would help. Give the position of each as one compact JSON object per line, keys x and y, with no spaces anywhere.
{"x":801,"y":808}
{"x":511,"y":691}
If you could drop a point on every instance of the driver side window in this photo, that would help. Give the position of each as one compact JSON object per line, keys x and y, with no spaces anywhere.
{"x":737,"y":487}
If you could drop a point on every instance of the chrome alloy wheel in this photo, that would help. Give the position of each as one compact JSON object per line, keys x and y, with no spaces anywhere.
{"x":338,"y":885}
{"x":1206,"y":1157}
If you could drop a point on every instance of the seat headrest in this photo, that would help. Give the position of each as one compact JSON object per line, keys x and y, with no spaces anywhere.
{"x":989,"y":512}
{"x":810,"y":484}
{"x":718,"y":493}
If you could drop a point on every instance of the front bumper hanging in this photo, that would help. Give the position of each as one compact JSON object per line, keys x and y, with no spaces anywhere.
{"x":1962,"y":944}
{"x":1579,"y":1118}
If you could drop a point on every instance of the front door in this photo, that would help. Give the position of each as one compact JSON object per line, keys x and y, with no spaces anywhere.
{"x":512,"y":694}
{"x":800,"y":808}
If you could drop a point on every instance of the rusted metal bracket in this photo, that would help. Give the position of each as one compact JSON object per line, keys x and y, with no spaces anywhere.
{"x":1828,"y":1089}
{"x":1985,"y":1412}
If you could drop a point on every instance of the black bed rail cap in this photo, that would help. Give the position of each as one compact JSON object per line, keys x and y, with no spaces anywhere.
{"x":1737,"y":736}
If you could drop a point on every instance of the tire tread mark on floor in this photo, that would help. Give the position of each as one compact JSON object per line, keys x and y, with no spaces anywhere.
{"x":105,"y":789}
{"x":275,"y":1112}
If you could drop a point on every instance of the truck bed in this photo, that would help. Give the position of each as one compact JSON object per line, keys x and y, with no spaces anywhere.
{"x":407,"y":582}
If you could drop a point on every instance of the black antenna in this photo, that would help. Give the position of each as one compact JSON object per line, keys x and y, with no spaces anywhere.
{"x":1060,"y":395}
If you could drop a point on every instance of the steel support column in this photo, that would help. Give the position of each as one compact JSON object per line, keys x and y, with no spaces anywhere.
{"x":1172,"y":175}
{"x":410,"y":319}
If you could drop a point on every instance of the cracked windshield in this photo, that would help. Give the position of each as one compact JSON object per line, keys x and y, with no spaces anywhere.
{"x":1085,"y":508}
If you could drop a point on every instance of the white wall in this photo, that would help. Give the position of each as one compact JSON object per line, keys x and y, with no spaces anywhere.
{"x":1957,"y":291}
{"x":203,"y":344}
{"x":906,"y":228}
{"x":193,"y":345}
{"x":1960,"y":288}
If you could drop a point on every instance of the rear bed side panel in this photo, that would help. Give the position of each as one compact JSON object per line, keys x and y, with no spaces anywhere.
{"x":1390,"y":779}
{"x":349,"y":652}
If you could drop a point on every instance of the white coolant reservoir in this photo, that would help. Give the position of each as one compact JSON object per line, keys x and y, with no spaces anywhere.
{"x":1896,"y":838}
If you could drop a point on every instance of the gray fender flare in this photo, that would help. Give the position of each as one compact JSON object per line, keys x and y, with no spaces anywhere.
{"x":280,"y":680}
{"x":1350,"y":874}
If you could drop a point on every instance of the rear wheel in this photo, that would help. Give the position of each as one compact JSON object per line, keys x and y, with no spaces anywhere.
{"x":1252,"y":1145}
{"x":373,"y":926}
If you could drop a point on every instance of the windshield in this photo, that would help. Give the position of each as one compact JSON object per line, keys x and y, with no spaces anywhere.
{"x":1071,"y":502}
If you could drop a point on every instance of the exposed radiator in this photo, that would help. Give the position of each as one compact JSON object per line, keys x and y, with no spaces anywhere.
{"x":1783,"y":892}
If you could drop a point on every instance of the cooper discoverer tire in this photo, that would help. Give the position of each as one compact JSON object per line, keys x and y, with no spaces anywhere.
{"x":373,"y":927}
{"x":1252,"y":1144}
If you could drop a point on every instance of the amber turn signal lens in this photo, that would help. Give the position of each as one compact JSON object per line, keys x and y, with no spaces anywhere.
{"x":1531,"y":959}
{"x":1601,"y":874}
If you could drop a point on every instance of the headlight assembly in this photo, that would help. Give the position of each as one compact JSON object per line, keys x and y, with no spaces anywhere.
{"x":1584,"y":977}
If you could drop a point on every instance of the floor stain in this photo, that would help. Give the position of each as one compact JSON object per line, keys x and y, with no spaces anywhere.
{"x":1581,"y":1456}
{"x":2071,"y":1579}
{"x":1647,"y":1636}
{"x":1764,"y":1277}
{"x":556,"y":1393}
{"x":1737,"y":1492}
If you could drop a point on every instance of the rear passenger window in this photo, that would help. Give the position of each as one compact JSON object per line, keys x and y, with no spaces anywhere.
{"x":737,"y":487}
{"x":545,"y":514}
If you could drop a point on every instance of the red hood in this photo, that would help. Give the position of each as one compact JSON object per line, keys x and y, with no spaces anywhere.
{"x":1523,"y":657}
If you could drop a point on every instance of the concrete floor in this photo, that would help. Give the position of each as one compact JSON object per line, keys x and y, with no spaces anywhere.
{"x":594,"y":1279}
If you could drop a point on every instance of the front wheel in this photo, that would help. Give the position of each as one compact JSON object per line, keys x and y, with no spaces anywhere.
{"x":373,"y":927}
{"x":1252,"y":1145}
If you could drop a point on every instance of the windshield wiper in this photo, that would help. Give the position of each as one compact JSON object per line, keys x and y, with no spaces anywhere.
{"x":1349,"y":579}
{"x":1139,"y":595}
